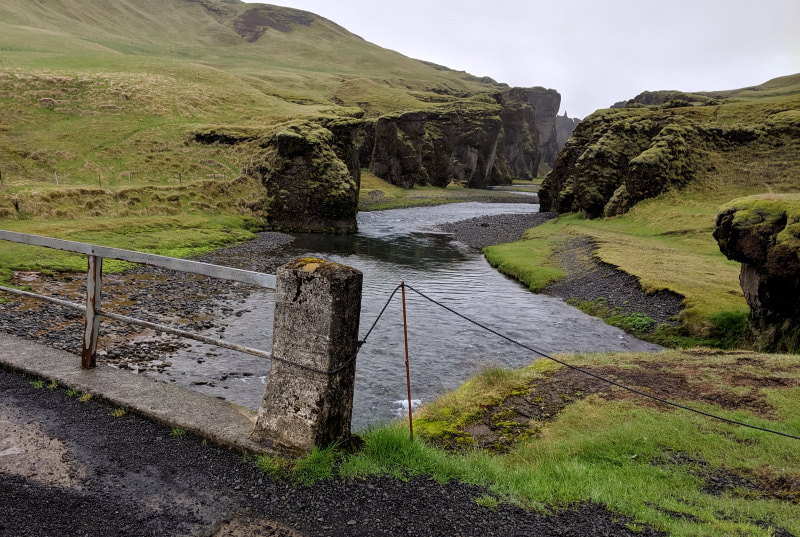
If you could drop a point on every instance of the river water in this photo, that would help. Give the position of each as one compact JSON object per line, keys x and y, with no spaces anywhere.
{"x":404,"y":245}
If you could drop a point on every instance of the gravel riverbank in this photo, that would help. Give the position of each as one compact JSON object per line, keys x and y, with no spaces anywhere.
{"x":188,"y":301}
{"x":497,"y":229}
{"x":69,"y":468}
{"x":587,"y":278}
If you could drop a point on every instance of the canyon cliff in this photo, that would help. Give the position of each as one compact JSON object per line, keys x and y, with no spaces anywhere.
{"x":763,"y":234}
{"x":476,"y":144}
{"x":618,"y":157}
{"x":311,"y":169}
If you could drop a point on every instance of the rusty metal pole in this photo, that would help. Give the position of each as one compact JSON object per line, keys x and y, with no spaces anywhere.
{"x":408,"y":369}
{"x":91,"y":327}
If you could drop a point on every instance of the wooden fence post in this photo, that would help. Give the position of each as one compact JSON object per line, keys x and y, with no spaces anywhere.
{"x":91,"y":327}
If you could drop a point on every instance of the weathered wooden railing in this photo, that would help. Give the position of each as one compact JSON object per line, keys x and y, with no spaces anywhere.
{"x":94,"y":291}
{"x":308,"y":400}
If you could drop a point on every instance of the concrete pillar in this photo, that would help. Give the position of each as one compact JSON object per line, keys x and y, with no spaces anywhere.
{"x":317,"y":309}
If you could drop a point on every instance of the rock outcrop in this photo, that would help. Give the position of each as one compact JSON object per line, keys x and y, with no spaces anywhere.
{"x":434,"y":148}
{"x":617,"y":158}
{"x":478,"y":145}
{"x":565,"y":126}
{"x":665,"y":140}
{"x":763,"y":233}
{"x":309,"y":187}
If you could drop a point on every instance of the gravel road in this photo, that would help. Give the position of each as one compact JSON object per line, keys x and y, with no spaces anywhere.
{"x":69,"y":468}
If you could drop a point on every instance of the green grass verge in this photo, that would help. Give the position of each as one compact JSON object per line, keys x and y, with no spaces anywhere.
{"x":528,"y":261}
{"x":174,"y":236}
{"x":606,"y":450}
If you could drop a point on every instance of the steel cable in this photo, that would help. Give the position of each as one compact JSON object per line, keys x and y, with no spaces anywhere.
{"x":599,"y":377}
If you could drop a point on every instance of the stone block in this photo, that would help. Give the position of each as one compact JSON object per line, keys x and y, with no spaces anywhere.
{"x":317,"y":310}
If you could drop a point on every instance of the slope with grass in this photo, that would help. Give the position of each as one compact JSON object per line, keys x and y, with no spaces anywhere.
{"x":96,"y":90}
{"x":167,"y":109}
{"x":90,"y":88}
{"x":665,"y":238}
{"x":548,"y":438}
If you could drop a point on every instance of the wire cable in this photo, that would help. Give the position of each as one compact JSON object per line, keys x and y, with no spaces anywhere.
{"x":591,"y":374}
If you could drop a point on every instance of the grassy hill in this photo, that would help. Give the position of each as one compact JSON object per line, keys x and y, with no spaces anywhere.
{"x":95,"y":90}
{"x":100,"y":103}
{"x":687,"y":159}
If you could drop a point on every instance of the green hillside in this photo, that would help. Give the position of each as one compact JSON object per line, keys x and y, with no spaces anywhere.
{"x":645,"y":183}
{"x":112,"y":91}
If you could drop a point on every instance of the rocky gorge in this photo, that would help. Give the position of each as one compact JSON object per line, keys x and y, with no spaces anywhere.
{"x":311,"y":169}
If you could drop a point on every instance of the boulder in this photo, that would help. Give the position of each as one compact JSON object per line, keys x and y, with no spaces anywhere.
{"x":763,"y":234}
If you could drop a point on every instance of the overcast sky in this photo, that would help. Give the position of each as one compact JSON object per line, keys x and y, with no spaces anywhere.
{"x":593,"y":52}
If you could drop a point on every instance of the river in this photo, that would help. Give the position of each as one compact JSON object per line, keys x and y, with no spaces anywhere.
{"x":404,"y":245}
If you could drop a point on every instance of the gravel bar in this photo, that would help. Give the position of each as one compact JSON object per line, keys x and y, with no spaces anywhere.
{"x":497,"y":229}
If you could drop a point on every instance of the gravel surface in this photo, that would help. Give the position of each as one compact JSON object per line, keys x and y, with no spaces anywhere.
{"x":187,"y":301}
{"x":490,"y":230}
{"x":69,"y":468}
{"x":589,"y":279}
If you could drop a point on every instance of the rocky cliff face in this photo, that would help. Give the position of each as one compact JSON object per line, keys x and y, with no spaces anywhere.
{"x":664,"y":140}
{"x":312,"y":170}
{"x":545,"y":104}
{"x":479,"y":146}
{"x":763,"y":233}
{"x":431,"y":148}
{"x":616,"y":158}
{"x":309,"y":187}
{"x":565,"y":126}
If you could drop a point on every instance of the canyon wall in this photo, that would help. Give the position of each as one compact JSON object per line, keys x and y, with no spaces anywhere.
{"x":763,"y":234}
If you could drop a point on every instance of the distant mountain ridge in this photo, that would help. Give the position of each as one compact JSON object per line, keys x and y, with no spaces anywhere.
{"x":228,"y":33}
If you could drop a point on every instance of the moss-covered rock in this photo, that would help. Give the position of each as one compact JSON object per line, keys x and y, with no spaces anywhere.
{"x":763,"y":233}
{"x":486,"y":142}
{"x":595,"y":161}
{"x":437,"y":147}
{"x":309,"y":187}
{"x":619,"y":157}
{"x":669,"y":162}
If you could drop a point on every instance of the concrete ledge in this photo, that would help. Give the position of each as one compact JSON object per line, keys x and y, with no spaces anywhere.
{"x":219,"y":421}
